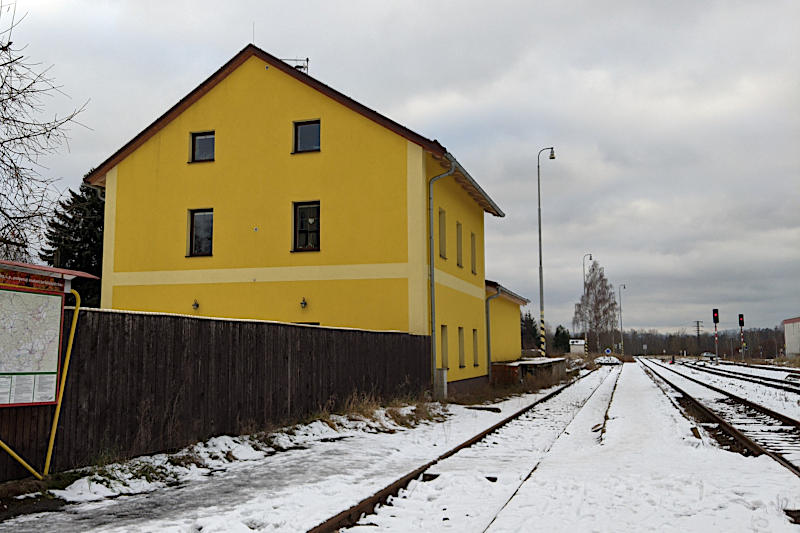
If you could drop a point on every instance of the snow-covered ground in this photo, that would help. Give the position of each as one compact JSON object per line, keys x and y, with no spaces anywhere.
{"x":648,"y":474}
{"x":323,"y":472}
{"x":471,"y":486}
{"x":775,"y":373}
{"x":644,"y":471}
{"x":780,"y":401}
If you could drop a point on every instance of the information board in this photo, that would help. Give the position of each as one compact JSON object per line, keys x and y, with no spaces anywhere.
{"x":30,"y":345}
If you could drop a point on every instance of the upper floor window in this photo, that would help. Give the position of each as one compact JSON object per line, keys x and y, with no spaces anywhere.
{"x":442,"y":234}
{"x":201,"y":229}
{"x":474,"y":252}
{"x":459,"y":248}
{"x":203,"y":146}
{"x":306,"y":226}
{"x":306,"y":136}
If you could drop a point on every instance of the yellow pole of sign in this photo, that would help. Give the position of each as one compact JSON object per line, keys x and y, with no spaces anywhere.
{"x":21,"y":461}
{"x":63,"y":382}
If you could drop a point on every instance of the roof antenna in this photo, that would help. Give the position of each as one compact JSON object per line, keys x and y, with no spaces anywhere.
{"x":298,"y":63}
{"x":254,"y":32}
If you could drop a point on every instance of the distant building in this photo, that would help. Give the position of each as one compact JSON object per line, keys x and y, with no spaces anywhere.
{"x":577,"y":346}
{"x":791,"y":334}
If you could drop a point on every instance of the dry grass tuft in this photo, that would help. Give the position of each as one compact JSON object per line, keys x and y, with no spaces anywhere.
{"x":362,"y":404}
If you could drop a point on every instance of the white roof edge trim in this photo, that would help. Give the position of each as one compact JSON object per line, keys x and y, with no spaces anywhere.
{"x":471,"y":180}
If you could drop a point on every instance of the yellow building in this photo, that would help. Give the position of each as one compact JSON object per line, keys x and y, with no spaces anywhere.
{"x":266,"y":194}
{"x":503,"y":314}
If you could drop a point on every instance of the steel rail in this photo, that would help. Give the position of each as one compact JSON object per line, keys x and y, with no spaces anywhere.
{"x":773,"y":368}
{"x":758,"y":407}
{"x":737,"y":435}
{"x":773,"y":383}
{"x":350,"y":517}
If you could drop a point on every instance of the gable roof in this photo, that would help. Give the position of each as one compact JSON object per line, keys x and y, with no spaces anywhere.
{"x":96,"y":176}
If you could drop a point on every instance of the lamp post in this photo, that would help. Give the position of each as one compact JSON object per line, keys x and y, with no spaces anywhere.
{"x":542,"y":340}
{"x":585,"y":322}
{"x":621,"y":334}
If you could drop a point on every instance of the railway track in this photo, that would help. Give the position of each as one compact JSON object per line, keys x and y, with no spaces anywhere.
{"x":505,"y":443}
{"x":772,"y":368}
{"x":772,"y":383}
{"x":754,"y":427}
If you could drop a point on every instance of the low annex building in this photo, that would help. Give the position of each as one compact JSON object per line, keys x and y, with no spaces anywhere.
{"x":503,"y":309}
{"x":267,"y":194}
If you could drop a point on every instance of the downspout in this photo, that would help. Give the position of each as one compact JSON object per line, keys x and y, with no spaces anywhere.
{"x":431,"y":264}
{"x":489,"y":335}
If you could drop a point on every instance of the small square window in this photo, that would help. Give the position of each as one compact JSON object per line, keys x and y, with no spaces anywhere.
{"x":201,"y":228}
{"x":203,"y":146}
{"x":306,"y":226}
{"x":306,"y":136}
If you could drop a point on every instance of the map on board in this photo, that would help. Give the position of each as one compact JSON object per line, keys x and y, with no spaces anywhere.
{"x":30,"y":327}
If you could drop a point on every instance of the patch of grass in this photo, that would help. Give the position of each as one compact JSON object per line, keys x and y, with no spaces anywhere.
{"x":57,"y":481}
{"x":150,"y":472}
{"x":107,"y":456}
{"x":186,"y":459}
{"x":362,"y":404}
{"x":400,"y":418}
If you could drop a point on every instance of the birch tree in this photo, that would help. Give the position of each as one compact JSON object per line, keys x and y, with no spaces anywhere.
{"x":597,"y":310}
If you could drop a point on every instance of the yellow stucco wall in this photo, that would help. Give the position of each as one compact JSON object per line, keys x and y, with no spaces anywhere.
{"x":459,"y":291}
{"x":506,"y":337}
{"x":372,"y":269}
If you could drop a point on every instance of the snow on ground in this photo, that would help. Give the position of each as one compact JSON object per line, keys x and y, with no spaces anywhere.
{"x":780,"y":401}
{"x":774,"y":373}
{"x":648,"y":474}
{"x":472,"y":485}
{"x":248,"y":486}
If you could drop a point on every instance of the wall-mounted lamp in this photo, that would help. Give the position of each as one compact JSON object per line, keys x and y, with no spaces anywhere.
{"x":303,"y":303}
{"x":195,"y":305}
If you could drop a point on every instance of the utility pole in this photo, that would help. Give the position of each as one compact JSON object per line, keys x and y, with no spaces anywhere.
{"x":698,"y":324}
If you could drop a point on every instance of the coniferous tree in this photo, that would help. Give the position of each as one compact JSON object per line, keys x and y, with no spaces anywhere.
{"x":561,"y":339}
{"x":74,"y":237}
{"x":530,"y":332}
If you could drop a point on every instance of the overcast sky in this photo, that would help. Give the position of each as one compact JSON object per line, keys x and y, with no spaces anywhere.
{"x":676,"y":124}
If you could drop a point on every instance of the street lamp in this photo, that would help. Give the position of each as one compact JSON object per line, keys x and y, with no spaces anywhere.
{"x":621,"y":334}
{"x":542,"y":340}
{"x":585,"y":322}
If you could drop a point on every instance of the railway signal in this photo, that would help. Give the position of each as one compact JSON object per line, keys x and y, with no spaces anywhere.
{"x":715,"y":316}
{"x":741,"y":332}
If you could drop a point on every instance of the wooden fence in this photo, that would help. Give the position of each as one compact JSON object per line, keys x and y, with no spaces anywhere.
{"x":143,"y":383}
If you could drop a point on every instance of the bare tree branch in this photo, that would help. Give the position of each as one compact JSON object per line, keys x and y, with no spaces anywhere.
{"x":27,"y":196}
